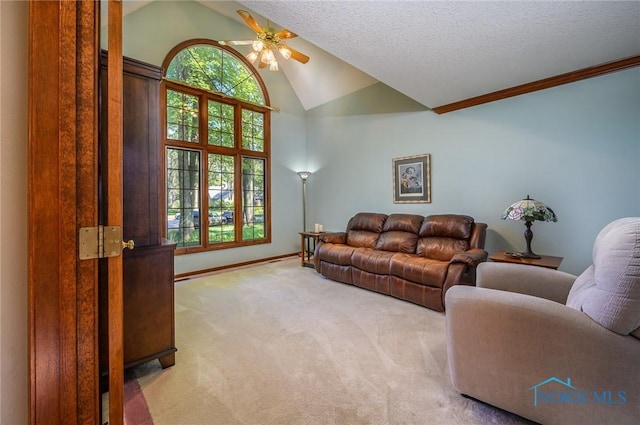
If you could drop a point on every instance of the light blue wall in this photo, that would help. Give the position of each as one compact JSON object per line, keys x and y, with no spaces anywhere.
{"x":574,"y":147}
{"x":148,"y":35}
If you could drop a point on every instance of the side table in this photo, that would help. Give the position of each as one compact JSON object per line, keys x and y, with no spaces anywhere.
{"x":308,"y":241}
{"x":547,"y":261}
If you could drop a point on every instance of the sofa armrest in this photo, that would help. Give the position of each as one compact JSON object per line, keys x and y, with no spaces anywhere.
{"x":334,"y":237}
{"x":472,"y":257}
{"x":540,"y":282}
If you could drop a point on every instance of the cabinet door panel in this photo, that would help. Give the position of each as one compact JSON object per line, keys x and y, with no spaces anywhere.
{"x":148,"y":293}
{"x":148,"y":304}
{"x":141,"y":156}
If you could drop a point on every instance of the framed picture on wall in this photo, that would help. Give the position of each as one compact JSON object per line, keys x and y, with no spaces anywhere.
{"x":412,"y":179}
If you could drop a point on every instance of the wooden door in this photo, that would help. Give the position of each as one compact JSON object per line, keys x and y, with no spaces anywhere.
{"x":111,"y":198}
{"x":63,"y":197}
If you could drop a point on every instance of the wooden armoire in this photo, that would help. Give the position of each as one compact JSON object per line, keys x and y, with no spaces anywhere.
{"x":148,"y":273}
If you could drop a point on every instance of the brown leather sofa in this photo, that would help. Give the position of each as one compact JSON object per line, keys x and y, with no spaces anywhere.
{"x":407,"y":256}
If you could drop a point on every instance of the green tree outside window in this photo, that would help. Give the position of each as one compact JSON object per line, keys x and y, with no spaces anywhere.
{"x":216,"y":116}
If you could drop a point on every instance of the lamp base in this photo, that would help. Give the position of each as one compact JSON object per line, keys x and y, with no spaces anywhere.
{"x":528,"y":235}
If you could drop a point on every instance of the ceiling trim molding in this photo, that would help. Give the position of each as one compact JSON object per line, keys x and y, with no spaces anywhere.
{"x":545,"y":83}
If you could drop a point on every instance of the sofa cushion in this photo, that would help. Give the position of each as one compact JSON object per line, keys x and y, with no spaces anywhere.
{"x":447,"y":225}
{"x":403,"y":222}
{"x":421,"y":270}
{"x":371,"y":260}
{"x":372,"y":222}
{"x":362,"y":238}
{"x":444,"y":235}
{"x":442,"y":249}
{"x":400,"y":233}
{"x":397,"y":242}
{"x":609,"y":290}
{"x":335,"y":253}
{"x":364,"y":229}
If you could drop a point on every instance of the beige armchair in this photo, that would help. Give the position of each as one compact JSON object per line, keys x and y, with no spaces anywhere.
{"x":549,"y":346}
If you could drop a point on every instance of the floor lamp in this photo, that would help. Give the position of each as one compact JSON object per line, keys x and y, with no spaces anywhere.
{"x":304,"y":175}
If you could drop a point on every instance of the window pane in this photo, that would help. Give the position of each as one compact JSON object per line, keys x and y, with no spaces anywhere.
{"x":221,"y":126}
{"x":239,"y":81}
{"x":253,"y":192}
{"x":183,"y":194}
{"x":221,"y":198}
{"x":214,"y":205}
{"x":252,"y":130}
{"x":182,"y":116}
{"x":214,"y":69}
{"x":198,"y":66}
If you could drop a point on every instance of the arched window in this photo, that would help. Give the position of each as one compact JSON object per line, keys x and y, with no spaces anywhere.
{"x":216,"y":120}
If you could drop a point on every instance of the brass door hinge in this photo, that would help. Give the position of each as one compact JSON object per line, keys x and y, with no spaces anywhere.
{"x":101,"y":242}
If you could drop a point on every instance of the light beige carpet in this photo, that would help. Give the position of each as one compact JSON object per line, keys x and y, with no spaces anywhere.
{"x":276,"y":343}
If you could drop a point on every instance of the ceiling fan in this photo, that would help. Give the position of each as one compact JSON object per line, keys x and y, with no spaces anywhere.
{"x":267,"y":43}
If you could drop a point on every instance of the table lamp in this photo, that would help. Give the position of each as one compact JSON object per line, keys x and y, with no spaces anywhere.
{"x":529,"y":210}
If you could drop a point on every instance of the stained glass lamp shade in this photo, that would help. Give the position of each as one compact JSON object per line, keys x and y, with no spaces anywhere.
{"x":529,"y":210}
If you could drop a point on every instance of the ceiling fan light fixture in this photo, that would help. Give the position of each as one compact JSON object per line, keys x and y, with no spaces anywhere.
{"x":267,"y":43}
{"x":252,"y":56}
{"x":284,"y":51}
{"x":268,"y":56}
{"x":257,"y":45}
{"x":261,"y":57}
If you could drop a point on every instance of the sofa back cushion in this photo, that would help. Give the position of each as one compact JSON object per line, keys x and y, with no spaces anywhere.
{"x":609,"y":290}
{"x":410,"y":223}
{"x":364,"y":229}
{"x":442,"y":236}
{"x":400,"y":233}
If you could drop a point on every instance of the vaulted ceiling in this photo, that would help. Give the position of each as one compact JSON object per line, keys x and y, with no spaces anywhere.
{"x":440,"y":52}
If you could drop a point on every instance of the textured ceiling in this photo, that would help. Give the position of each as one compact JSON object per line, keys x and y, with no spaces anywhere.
{"x":439,"y":52}
{"x":442,"y":52}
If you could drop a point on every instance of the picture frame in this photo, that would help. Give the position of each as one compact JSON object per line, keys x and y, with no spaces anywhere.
{"x":412,"y":179}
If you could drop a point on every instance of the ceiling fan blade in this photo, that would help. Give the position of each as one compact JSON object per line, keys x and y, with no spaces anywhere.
{"x":253,"y":24}
{"x":285,"y":34}
{"x":235,"y":42}
{"x":300,"y":57}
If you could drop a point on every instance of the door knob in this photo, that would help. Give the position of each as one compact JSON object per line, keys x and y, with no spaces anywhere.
{"x":129,"y":245}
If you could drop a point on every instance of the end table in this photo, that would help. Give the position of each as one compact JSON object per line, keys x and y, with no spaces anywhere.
{"x":308,"y":241}
{"x":547,"y":261}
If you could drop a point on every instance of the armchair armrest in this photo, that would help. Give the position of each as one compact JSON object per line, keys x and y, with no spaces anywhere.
{"x":501,"y":344}
{"x":540,"y":282}
{"x":334,"y":237}
{"x":472,"y":257}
